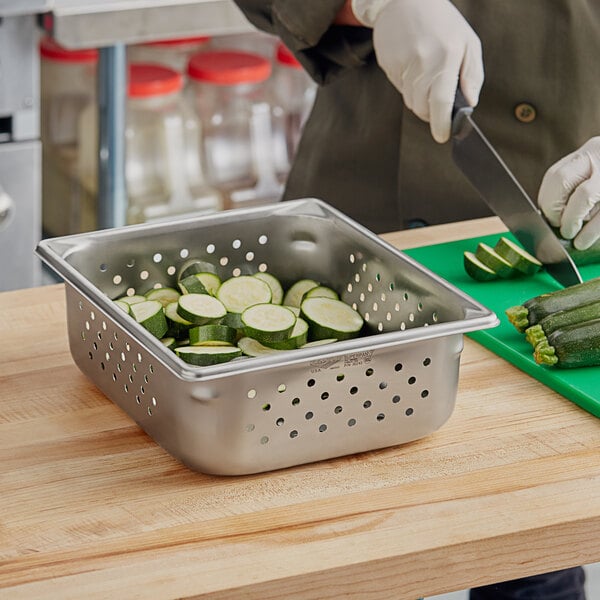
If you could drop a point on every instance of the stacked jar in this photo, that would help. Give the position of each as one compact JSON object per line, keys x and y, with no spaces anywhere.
{"x":293,"y":93}
{"x":169,"y":53}
{"x":228,"y":92}
{"x":67,"y":88}
{"x":162,"y":170}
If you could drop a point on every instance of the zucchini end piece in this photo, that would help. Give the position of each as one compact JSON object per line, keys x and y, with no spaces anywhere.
{"x":544,"y":354}
{"x":518,"y":316}
{"x":535,"y":334}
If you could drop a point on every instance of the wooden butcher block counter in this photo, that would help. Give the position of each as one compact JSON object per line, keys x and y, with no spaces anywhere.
{"x":91,"y":507}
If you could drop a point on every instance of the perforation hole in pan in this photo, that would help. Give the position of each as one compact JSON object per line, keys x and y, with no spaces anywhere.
{"x":384,"y":304}
{"x":137,"y":275}
{"x":328,"y":403}
{"x":109,"y":349}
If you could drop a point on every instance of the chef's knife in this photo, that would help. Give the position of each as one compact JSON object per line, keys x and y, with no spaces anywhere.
{"x":499,"y":188}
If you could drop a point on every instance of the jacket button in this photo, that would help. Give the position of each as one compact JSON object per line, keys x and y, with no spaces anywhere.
{"x":525,"y":112}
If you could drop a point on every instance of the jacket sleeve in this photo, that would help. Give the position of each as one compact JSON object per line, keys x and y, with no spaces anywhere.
{"x":305,"y":27}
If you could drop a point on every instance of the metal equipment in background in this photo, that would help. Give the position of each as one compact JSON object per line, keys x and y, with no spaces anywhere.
{"x":20,"y":152}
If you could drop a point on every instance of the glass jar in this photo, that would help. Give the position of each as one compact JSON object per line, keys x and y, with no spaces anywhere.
{"x":169,"y":53}
{"x":227,"y":90}
{"x":67,"y":88}
{"x":162,"y":172}
{"x":293,"y":93}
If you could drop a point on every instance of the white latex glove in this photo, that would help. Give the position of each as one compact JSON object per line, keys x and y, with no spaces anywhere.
{"x":425,"y":47}
{"x":569,"y":195}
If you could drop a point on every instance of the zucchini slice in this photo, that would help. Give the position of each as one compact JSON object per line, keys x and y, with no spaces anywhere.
{"x":268,"y":323}
{"x":238,"y":293}
{"x":274,"y":284}
{"x":132,"y":299}
{"x":164,"y":295}
{"x":122,"y":305}
{"x":518,"y":257}
{"x":490,"y":258}
{"x":194,"y":265}
{"x":321,"y":291}
{"x":476,"y":269}
{"x":149,"y":314}
{"x":200,"y":309}
{"x":204,"y":356}
{"x":192,"y":285}
{"x":329,"y":318}
{"x":212,"y":335}
{"x":298,"y":337}
{"x":293,"y":297}
{"x":251,"y":347}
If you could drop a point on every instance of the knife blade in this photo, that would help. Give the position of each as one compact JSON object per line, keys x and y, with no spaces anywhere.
{"x":499,"y":188}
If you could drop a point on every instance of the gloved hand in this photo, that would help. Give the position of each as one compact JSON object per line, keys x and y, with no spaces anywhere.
{"x":569,"y":195}
{"x":425,"y":47}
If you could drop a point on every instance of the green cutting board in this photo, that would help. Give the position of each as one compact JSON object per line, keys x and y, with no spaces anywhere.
{"x":582,"y":385}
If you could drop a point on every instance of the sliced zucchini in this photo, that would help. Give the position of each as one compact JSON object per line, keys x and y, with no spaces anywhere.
{"x":122,"y":305}
{"x":204,"y":356}
{"x":268,"y":323}
{"x":210,"y":281}
{"x":274,"y":284}
{"x":298,"y":337}
{"x":321,"y":291}
{"x":194,"y":265}
{"x":232,"y":320}
{"x":573,"y":346}
{"x":212,"y":335}
{"x":518,"y":257}
{"x":200,"y":309}
{"x":164,"y":295}
{"x":238,"y":293}
{"x":316,"y":343}
{"x":178,"y":326}
{"x":476,"y":269}
{"x":192,"y":285}
{"x":251,"y":347}
{"x":132,"y":299}
{"x":294,"y":295}
{"x":149,"y":314}
{"x":329,"y":318}
{"x":488,"y":256}
{"x":169,"y":342}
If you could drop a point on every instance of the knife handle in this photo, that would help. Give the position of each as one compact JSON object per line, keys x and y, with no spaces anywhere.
{"x":460,"y":110}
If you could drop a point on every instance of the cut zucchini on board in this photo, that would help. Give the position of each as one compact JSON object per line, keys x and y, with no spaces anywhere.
{"x":268,"y":322}
{"x":200,"y":309}
{"x":329,"y":318}
{"x":204,"y":356}
{"x":238,"y":293}
{"x":518,"y":257}
{"x":506,"y":259}
{"x":150,"y":315}
{"x":491,"y":259}
{"x":476,"y":269}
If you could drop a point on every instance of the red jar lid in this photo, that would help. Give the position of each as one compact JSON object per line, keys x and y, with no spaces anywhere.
{"x":228,"y":67}
{"x":201,"y":39}
{"x":147,"y":80}
{"x":54,"y":51}
{"x":285,"y":57}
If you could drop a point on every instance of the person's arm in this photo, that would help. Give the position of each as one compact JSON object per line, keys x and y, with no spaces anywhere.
{"x":345,"y":16}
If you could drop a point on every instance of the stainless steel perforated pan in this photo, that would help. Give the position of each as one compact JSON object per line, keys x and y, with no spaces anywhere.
{"x":394,"y":385}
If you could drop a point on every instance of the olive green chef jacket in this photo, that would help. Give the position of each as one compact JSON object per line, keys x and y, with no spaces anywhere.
{"x":366,"y":154}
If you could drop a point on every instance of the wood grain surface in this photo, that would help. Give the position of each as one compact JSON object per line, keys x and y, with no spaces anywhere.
{"x":91,"y":507}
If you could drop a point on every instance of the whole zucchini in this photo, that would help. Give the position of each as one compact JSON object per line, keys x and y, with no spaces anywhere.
{"x":562,"y":318}
{"x":572,"y":346}
{"x":535,"y":309}
{"x":580,"y":257}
